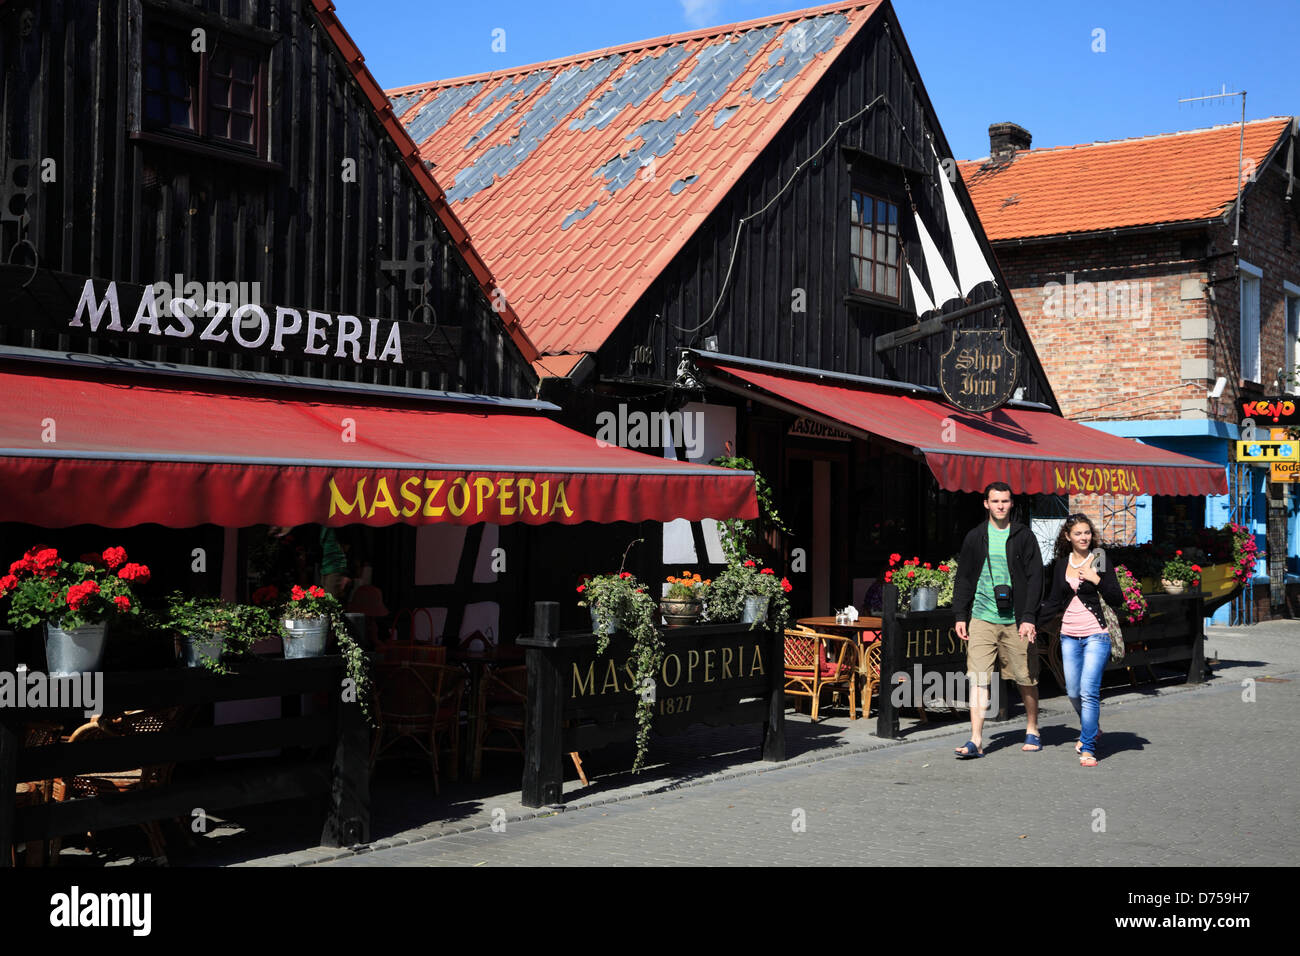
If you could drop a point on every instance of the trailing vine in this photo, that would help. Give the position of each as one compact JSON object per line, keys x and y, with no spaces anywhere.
{"x":735,"y":534}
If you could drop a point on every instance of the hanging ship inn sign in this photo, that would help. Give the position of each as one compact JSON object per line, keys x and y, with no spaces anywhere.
{"x":979,"y":370}
{"x":223,"y":317}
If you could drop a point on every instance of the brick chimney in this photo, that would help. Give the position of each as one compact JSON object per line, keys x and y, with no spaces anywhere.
{"x":1005,"y":139}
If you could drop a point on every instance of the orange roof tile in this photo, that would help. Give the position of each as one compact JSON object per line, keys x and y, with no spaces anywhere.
{"x":1174,"y":177}
{"x":579,"y":179}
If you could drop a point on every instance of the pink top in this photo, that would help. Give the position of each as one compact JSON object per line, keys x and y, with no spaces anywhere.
{"x":1078,"y":621}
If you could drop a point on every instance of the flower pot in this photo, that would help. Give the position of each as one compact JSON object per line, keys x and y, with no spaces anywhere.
{"x":924,"y":598}
{"x":595,"y":625}
{"x":192,"y":649}
{"x":74,"y":651}
{"x":305,"y":637}
{"x":679,"y":613}
{"x":1173,"y":587}
{"x":755,"y":608}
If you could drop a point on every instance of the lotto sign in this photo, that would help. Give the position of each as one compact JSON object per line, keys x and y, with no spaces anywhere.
{"x":1268,"y":451}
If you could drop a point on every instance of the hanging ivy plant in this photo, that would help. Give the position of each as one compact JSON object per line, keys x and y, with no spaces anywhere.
{"x":735,"y":534}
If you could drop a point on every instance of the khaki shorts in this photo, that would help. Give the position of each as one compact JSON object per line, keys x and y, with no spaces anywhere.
{"x":1016,"y":657}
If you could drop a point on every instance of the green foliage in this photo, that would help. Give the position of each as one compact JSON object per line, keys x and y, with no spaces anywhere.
{"x":45,"y":588}
{"x":1179,"y":570}
{"x":725,"y":596}
{"x":914,"y":573}
{"x":736,"y":534}
{"x":315,"y":603}
{"x":239,"y":626}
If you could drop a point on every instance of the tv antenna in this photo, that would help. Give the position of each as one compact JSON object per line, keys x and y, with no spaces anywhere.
{"x":1241,"y":151}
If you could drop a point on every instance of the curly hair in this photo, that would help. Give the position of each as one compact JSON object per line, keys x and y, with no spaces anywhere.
{"x":1063,"y":544}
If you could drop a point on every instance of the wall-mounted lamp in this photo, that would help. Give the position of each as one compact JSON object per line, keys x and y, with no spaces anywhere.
{"x":711,"y":344}
{"x":1218,"y":387}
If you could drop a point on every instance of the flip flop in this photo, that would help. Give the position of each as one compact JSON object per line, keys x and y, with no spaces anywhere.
{"x":968,"y":751}
{"x":1087,"y":760}
{"x":1078,"y":744}
{"x":1032,"y":744}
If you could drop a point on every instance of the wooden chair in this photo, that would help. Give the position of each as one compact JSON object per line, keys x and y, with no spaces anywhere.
{"x":421,"y":701}
{"x":130,"y":724}
{"x":32,"y":792}
{"x":809,"y":671}
{"x":502,"y":703}
{"x":869,"y":673}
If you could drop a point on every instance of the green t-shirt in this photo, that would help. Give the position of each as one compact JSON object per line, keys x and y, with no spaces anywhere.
{"x":985,"y":608}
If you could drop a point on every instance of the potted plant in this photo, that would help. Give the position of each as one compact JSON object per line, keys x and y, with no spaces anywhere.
{"x":735,"y":534}
{"x":306,"y":619}
{"x":1179,"y":573}
{"x":209,"y":630}
{"x":620,"y":600}
{"x":746,"y":592}
{"x":1135,"y":605}
{"x":683,"y":600}
{"x":921,"y":585}
{"x":74,"y":600}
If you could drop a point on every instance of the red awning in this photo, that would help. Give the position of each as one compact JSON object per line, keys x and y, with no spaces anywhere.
{"x":1035,"y":452}
{"x":124,"y":450}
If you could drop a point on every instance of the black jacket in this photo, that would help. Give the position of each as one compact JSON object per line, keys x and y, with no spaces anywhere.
{"x":1023,"y":559}
{"x":1059,"y":593}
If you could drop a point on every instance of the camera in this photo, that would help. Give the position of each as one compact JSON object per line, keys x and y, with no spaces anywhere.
{"x":1002,"y":595}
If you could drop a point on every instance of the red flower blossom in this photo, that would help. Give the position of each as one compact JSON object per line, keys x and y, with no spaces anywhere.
{"x":19,"y":566}
{"x":889,"y":576}
{"x":134,"y":573}
{"x":895,"y":558}
{"x":911,"y":574}
{"x":927,"y":565}
{"x":767,"y":571}
{"x":625,"y":574}
{"x":750,"y":564}
{"x":123,"y":602}
{"x":1179,"y":553}
{"x":78,"y":593}
{"x":581,"y":588}
{"x":786,"y":586}
{"x":46,"y":563}
{"x":266,"y":595}
{"x":7,"y":584}
{"x":115,"y":557}
{"x":1196,"y":568}
{"x":943,"y":567}
{"x":297,"y":593}
{"x":315,"y":591}
{"x":916,"y":560}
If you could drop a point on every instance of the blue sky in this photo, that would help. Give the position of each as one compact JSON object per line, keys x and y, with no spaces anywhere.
{"x":1027,"y":61}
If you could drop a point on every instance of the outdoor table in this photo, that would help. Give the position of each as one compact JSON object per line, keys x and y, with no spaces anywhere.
{"x":866,"y":629}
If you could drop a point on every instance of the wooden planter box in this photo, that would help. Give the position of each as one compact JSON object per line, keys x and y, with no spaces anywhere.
{"x":712,"y":674}
{"x":339,"y":737}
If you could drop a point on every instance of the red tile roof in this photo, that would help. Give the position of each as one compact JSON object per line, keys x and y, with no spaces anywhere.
{"x":546,"y":163}
{"x":1175,"y":177}
{"x":356,"y":64}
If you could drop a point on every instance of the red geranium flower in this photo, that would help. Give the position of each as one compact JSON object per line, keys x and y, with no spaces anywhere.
{"x":78,"y":593}
{"x":46,"y":563}
{"x":750,"y":564}
{"x":911,"y":574}
{"x":889,"y":576}
{"x":297,"y":593}
{"x":19,"y":566}
{"x":767,"y":571}
{"x":135,"y":573}
{"x":581,"y":588}
{"x":1179,"y":553}
{"x":927,"y":565}
{"x":123,"y":602}
{"x":786,"y":586}
{"x":943,"y":567}
{"x":625,"y":574}
{"x":1196,"y":568}
{"x":7,"y":584}
{"x":115,"y":557}
{"x":895,"y":558}
{"x":916,"y":560}
{"x":315,"y":591}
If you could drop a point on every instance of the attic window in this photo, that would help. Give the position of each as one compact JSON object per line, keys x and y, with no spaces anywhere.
{"x":213,"y":96}
{"x":873,"y":228}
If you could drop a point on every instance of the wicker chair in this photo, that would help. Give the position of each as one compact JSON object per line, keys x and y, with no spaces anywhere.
{"x":130,"y":724}
{"x":421,"y":701}
{"x":808,"y":671}
{"x":502,"y":698}
{"x":869,"y":672}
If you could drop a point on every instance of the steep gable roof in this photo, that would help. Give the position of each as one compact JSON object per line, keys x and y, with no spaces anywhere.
{"x":582,"y":177}
{"x":1169,"y":178}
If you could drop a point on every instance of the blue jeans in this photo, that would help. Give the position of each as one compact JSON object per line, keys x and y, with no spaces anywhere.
{"x":1084,"y":659}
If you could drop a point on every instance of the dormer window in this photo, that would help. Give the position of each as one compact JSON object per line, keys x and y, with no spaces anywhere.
{"x":874,"y":245}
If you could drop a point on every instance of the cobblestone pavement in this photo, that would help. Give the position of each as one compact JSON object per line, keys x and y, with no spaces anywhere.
{"x":1188,"y":775}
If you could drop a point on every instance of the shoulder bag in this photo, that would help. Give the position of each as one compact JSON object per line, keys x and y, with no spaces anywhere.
{"x":1108,"y":612}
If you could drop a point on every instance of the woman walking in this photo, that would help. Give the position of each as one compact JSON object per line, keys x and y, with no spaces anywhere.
{"x":1076,"y":591}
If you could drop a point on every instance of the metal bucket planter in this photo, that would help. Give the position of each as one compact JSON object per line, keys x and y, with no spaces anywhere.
{"x":193,"y":649}
{"x":74,"y":651}
{"x":595,"y":625}
{"x":755,"y":608}
{"x":679,"y":613}
{"x":305,"y":637}
{"x":1173,"y":587}
{"x":924,"y":598}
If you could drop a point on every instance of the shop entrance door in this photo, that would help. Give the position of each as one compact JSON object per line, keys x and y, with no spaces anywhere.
{"x":819,"y":521}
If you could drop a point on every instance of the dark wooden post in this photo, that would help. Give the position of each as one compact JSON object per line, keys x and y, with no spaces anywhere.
{"x":543,"y":782}
{"x":10,"y":741}
{"x":774,"y":726}
{"x":1196,"y":667}
{"x":891,"y":655}
{"x":347,"y":822}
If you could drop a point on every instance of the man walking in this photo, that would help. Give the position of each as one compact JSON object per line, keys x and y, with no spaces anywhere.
{"x":995,"y":597}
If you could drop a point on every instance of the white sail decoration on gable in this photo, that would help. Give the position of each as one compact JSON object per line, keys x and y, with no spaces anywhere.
{"x":920,"y":299}
{"x":941,"y":280}
{"x":972,"y":269}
